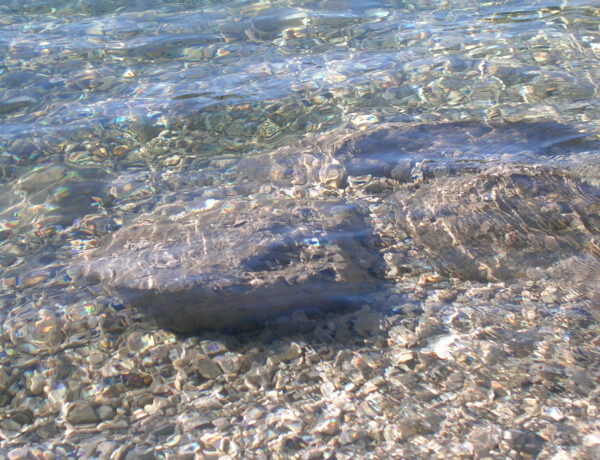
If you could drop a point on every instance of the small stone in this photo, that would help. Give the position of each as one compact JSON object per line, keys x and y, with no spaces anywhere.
{"x":555,"y":413}
{"x":207,"y":403}
{"x":445,"y":295}
{"x":121,"y":424}
{"x":82,"y":412}
{"x":106,"y":412}
{"x":36,"y":384}
{"x":221,"y":423}
{"x":20,"y":453}
{"x":541,"y":57}
{"x":403,"y":356}
{"x":526,"y":443}
{"x":106,"y":448}
{"x":207,"y":368}
{"x":15,"y":103}
{"x":402,"y":172}
{"x":214,"y":441}
{"x":349,"y":436}
{"x":391,"y":433}
{"x":229,"y":363}
{"x":164,"y":430}
{"x":46,"y":431}
{"x":254,"y":415}
{"x":141,"y":453}
{"x":291,"y":352}
{"x":20,"y":417}
{"x":366,"y":323}
{"x":485,"y":439}
{"x":406,"y":429}
{"x":330,"y":424}
{"x":48,"y":331}
{"x":213,"y":347}
{"x":120,"y":150}
{"x":173,"y":160}
{"x":10,"y":425}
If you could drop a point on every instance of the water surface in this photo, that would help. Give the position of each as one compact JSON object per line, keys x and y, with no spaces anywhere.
{"x":109,"y":108}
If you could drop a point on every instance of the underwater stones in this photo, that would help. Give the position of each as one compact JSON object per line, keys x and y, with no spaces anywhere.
{"x":238,"y":263}
{"x":504,"y":223}
{"x":409,"y":152}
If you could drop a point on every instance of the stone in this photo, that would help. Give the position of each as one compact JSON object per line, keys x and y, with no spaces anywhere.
{"x":164,"y":430}
{"x":230,"y":363}
{"x":214,"y":261}
{"x":17,"y":102}
{"x":106,"y":412}
{"x":525,"y":443}
{"x":82,"y":412}
{"x":19,"y":453}
{"x":239,"y":263}
{"x":501,"y":224}
{"x":207,"y":368}
{"x":291,"y":352}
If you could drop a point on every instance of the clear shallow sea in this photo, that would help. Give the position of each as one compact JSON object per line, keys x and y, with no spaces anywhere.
{"x":101,"y":102}
{"x":110,"y":107}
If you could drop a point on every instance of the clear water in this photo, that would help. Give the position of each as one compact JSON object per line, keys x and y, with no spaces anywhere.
{"x":110,"y":107}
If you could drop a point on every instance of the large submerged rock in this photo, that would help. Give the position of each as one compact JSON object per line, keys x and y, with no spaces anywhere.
{"x":238,"y":263}
{"x":470,"y":195}
{"x":505,"y":223}
{"x":408,"y":152}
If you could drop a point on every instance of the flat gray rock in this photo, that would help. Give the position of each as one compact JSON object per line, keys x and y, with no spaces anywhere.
{"x":234,"y":263}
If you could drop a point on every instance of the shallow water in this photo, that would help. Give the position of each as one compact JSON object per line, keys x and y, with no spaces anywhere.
{"x":108,"y":104}
{"x":110,"y":108}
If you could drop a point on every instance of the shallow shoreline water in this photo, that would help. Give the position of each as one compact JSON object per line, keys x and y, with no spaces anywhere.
{"x":111,"y":109}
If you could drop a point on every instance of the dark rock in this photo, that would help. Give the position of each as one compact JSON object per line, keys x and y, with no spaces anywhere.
{"x":527,"y":444}
{"x":164,"y":430}
{"x":410,"y":151}
{"x":82,"y":412}
{"x":238,"y":263}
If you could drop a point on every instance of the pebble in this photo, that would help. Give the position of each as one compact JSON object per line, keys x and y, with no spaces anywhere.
{"x":20,"y":453}
{"x":82,"y":412}
{"x":15,"y":103}
{"x":120,"y":150}
{"x":291,"y":352}
{"x":105,"y":412}
{"x":541,"y":57}
{"x":36,"y":385}
{"x":230,"y":363}
{"x":207,"y":368}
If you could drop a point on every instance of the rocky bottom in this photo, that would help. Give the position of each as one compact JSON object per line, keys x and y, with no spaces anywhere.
{"x":453,"y":370}
{"x":486,"y":347}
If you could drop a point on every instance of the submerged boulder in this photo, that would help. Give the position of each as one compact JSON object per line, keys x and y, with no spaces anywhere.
{"x":232,"y":264}
{"x":505,"y":223}
{"x":411,"y":152}
{"x":470,"y":195}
